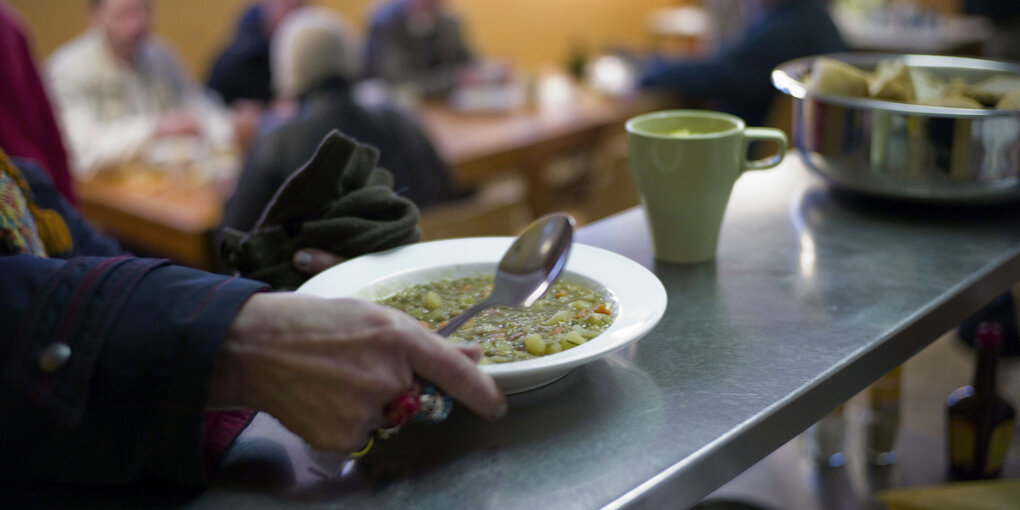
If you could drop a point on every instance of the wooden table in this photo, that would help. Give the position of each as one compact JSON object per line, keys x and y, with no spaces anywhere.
{"x":176,"y":217}
{"x":154,"y":213}
{"x":484,"y":145}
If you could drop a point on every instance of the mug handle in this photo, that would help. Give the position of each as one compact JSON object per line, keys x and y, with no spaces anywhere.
{"x":764,"y":134}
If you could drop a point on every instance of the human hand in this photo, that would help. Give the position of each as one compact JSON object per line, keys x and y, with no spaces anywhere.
{"x":246,"y":116}
{"x":326,"y":368}
{"x":177,"y":122}
{"x":315,"y":261}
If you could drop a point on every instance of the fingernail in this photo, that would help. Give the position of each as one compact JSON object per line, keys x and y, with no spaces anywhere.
{"x":302,"y":259}
{"x":500,"y":413}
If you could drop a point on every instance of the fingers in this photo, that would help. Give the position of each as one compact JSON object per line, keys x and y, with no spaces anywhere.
{"x":453,"y":369}
{"x":472,"y":351}
{"x":313,"y":261}
{"x":327,"y":368}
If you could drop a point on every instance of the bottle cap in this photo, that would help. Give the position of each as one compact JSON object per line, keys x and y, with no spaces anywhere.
{"x":988,"y":335}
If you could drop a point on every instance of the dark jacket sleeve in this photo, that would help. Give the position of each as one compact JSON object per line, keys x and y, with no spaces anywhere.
{"x":106,"y":365}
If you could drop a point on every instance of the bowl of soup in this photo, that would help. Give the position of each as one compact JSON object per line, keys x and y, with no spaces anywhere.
{"x":601,"y":303}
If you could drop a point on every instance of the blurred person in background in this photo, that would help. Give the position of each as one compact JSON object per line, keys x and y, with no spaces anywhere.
{"x":118,"y":89}
{"x":1004,"y":16}
{"x":419,"y":43}
{"x":28,"y":128}
{"x":315,"y":61}
{"x":241,"y":72}
{"x":737,"y":79}
{"x":730,"y":18}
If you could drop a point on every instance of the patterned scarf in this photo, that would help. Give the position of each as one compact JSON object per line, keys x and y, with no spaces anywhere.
{"x":24,"y":227}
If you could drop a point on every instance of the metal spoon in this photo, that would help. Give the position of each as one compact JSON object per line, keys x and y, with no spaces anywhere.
{"x":531,"y":264}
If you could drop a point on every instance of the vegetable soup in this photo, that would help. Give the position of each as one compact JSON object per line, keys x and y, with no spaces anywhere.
{"x":568,"y":315}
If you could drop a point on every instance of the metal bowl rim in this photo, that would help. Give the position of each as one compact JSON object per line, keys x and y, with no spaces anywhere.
{"x":786,"y":77}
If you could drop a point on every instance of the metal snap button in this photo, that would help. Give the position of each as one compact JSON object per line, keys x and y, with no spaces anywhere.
{"x":54,"y":356}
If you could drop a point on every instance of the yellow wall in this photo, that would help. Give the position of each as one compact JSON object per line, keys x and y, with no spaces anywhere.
{"x":528,"y":33}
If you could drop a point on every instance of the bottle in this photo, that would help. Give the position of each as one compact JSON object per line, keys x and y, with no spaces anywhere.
{"x":884,"y":418}
{"x":577,"y":61}
{"x":980,"y":422}
{"x":827,"y":439}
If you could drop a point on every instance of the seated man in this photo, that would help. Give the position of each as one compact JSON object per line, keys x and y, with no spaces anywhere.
{"x":241,"y":72}
{"x":417,"y":43}
{"x":314,"y":61}
{"x":117,"y":89}
{"x":738,"y":79}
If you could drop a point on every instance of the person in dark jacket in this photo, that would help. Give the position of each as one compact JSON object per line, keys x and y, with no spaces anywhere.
{"x":417,"y":43}
{"x":241,"y":71}
{"x":738,"y":79}
{"x":314,"y":61}
{"x":1004,"y":15}
{"x":116,"y":369}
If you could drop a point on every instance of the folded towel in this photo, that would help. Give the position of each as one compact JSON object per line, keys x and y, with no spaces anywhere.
{"x":339,"y":201}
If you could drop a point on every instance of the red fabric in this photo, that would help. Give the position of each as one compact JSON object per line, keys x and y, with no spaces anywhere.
{"x":218,"y":432}
{"x":28,"y":128}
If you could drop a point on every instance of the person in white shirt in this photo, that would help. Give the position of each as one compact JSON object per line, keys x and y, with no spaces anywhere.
{"x":118,"y":89}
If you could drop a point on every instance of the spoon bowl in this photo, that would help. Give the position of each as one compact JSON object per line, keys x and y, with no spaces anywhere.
{"x":532,"y":263}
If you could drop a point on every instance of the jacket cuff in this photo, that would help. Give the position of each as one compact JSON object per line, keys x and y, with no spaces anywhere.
{"x":202,"y":319}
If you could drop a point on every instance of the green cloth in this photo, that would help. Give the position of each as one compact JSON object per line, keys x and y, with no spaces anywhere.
{"x":339,"y":201}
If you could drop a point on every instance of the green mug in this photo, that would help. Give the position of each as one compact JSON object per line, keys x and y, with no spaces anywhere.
{"x":684,"y":163}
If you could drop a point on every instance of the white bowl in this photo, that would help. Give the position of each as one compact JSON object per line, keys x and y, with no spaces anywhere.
{"x":637,"y":295}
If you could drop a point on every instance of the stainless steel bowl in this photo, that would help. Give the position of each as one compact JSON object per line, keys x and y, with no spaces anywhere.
{"x":904,"y":151}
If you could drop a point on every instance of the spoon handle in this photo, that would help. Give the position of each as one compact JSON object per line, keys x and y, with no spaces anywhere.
{"x":456,"y":322}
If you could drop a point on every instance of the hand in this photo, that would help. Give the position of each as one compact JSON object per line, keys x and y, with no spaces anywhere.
{"x":314,"y":261}
{"x":177,"y":122}
{"x":326,"y":368}
{"x":246,"y":116}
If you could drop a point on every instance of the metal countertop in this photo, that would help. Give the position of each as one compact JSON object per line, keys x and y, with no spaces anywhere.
{"x":813,"y":296}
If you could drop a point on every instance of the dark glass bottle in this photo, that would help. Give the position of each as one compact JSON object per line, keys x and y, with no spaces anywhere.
{"x":883,"y":418}
{"x":577,"y":61}
{"x":980,"y":421}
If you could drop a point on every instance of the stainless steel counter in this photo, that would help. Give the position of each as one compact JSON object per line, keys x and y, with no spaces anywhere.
{"x":811,"y":298}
